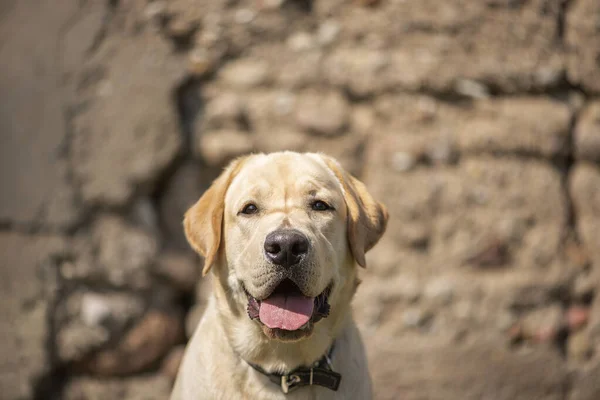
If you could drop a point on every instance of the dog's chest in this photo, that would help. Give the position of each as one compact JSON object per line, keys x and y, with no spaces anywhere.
{"x":272,"y":392}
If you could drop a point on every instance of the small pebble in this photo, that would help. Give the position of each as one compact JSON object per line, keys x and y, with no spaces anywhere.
{"x":545,"y":335}
{"x":403,"y":161}
{"x":271,"y":4}
{"x":328,"y":32}
{"x":94,"y":309}
{"x":200,"y":63}
{"x":440,"y":290}
{"x":301,"y":41}
{"x":579,"y":346}
{"x":473,"y":89}
{"x":155,"y":9}
{"x":415,"y":318}
{"x":577,"y":317}
{"x":245,"y":73}
{"x":181,"y":28}
{"x":284,"y":103}
{"x":244,"y":16}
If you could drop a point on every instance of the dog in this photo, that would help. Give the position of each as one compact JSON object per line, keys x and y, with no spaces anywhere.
{"x":281,"y":235}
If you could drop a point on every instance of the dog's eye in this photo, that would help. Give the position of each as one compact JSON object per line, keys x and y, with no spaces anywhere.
{"x":249,"y":209}
{"x":320,"y":205}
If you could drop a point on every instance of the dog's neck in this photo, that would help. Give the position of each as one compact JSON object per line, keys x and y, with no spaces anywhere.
{"x":248,"y":341}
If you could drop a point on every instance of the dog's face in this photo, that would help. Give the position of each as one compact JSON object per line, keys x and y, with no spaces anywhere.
{"x":287,"y":227}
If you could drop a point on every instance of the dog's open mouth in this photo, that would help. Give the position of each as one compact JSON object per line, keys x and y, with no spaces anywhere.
{"x":288,"y":309}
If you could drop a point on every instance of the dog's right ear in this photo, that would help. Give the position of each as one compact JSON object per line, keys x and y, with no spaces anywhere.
{"x":203,"y":222}
{"x":367,"y":218}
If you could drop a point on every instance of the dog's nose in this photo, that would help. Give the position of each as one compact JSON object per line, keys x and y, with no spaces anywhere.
{"x":286,"y":247}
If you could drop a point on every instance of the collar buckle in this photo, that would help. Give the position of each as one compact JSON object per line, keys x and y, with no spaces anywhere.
{"x":320,"y":373}
{"x":289,"y":382}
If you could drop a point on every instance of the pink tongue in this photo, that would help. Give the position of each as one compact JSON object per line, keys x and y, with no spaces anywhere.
{"x":286,"y":312}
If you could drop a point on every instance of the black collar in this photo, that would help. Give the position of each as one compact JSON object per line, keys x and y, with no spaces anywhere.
{"x":320,"y":373}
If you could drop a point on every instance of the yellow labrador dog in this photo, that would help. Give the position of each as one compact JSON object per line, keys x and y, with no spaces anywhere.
{"x":281,"y":234}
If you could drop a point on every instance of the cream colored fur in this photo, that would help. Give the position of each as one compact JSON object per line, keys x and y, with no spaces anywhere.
{"x":282,"y":185}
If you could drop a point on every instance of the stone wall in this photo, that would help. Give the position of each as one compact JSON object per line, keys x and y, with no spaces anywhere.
{"x":476,"y":122}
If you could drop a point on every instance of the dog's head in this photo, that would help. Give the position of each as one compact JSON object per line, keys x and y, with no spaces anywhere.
{"x":286,"y":229}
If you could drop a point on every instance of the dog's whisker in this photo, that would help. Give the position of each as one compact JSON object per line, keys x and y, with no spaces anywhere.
{"x":245,"y":249}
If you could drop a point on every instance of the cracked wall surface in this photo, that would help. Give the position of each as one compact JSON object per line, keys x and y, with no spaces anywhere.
{"x":477,"y":123}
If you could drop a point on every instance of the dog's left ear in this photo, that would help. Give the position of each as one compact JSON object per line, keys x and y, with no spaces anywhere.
{"x":367,"y":218}
{"x":203,"y":222}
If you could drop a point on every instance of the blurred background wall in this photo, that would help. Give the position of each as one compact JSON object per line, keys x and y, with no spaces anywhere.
{"x":476,"y":122}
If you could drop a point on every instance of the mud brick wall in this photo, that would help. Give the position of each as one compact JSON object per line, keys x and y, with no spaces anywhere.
{"x":476,"y":122}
